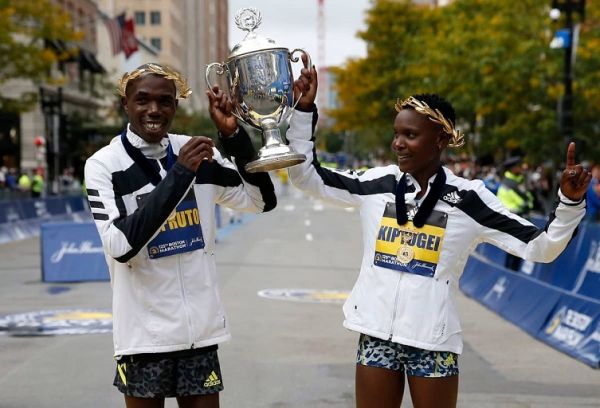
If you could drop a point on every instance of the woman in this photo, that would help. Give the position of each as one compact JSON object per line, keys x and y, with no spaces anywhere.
{"x":420,"y":223}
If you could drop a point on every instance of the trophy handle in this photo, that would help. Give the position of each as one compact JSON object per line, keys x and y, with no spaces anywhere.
{"x":296,"y":59}
{"x":220,"y":70}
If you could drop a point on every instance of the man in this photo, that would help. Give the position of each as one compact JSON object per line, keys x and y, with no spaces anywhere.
{"x":515,"y":197}
{"x":37,"y":183}
{"x":152,"y":196}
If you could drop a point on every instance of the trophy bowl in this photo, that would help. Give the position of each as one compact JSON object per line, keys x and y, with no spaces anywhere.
{"x":261,"y":87}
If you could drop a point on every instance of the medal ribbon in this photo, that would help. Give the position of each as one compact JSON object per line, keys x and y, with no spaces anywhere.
{"x":428,"y":204}
{"x":144,"y":163}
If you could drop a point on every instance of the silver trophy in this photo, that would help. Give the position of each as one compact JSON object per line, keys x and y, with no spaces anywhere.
{"x":260,"y":80}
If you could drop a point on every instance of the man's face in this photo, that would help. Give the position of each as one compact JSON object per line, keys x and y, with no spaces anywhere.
{"x":150,"y":103}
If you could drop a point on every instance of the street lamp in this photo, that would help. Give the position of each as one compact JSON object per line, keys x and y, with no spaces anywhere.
{"x":568,"y":7}
{"x":51,"y":104}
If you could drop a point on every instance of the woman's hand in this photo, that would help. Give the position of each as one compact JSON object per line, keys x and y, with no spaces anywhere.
{"x":574,"y":180}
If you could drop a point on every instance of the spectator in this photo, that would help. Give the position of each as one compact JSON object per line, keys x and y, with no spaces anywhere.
{"x":513,"y":194}
{"x":11,"y":179}
{"x":37,"y":183}
{"x":25,"y":184}
{"x":593,"y":196}
{"x":3,"y":174}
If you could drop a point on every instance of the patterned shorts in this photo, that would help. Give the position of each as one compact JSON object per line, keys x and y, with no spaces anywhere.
{"x":374,"y":352}
{"x":176,"y":374}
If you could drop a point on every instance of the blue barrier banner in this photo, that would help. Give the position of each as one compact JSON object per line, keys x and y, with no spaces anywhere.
{"x":10,"y":211}
{"x":56,"y":205}
{"x":588,"y":279}
{"x":568,"y":322}
{"x":516,"y":297}
{"x":72,"y":252}
{"x":492,"y":253}
{"x":76,"y":204}
{"x":574,"y":327}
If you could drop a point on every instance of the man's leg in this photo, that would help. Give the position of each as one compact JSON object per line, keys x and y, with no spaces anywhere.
{"x":199,"y":401}
{"x":135,"y":402}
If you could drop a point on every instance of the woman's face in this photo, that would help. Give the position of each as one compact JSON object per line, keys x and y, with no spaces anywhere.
{"x":418,"y":142}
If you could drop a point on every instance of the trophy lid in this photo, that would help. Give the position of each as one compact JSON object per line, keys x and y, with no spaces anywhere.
{"x":248,"y":19}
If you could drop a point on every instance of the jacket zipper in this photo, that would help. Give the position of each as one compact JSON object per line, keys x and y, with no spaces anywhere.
{"x":185,"y":303}
{"x":395,"y":306}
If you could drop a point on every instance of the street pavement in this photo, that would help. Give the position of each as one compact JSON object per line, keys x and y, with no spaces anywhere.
{"x":285,"y":353}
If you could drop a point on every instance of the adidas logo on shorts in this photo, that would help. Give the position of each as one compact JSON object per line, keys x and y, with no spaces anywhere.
{"x":212,"y":380}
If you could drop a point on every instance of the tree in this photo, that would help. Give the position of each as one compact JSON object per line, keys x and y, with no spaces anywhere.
{"x":490,"y":58}
{"x":28,"y":28}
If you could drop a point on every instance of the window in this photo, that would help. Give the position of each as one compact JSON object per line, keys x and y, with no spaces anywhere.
{"x":140,"y":18}
{"x":156,"y":43}
{"x":155,"y":17}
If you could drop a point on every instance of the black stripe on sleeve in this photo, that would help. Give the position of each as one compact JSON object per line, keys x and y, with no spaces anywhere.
{"x":96,"y":204}
{"x":241,"y":148}
{"x":139,"y":227}
{"x":473,"y":206}
{"x":214,"y":173}
{"x":552,"y":216}
{"x":99,"y":216}
{"x":385,"y":184}
{"x":92,"y":192}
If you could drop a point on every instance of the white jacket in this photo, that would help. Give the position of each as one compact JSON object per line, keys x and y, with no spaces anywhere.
{"x":169,"y":303}
{"x":411,"y":308}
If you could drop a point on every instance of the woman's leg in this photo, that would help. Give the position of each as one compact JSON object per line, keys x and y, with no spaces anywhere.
{"x":378,"y":387}
{"x":135,"y":402}
{"x":199,"y":401}
{"x":433,"y":392}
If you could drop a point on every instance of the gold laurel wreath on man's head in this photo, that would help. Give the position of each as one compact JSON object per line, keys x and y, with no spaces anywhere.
{"x":458,"y":139}
{"x":163,"y":70}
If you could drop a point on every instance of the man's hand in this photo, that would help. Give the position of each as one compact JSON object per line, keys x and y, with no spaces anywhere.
{"x":575,"y":180}
{"x":194,"y":151}
{"x":220,"y":108}
{"x":305,"y":87}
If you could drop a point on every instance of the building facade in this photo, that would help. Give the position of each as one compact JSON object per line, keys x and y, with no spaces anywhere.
{"x":186,"y":34}
{"x":35,"y":135}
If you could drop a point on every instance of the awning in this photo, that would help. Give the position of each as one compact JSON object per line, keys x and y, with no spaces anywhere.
{"x":88,"y":61}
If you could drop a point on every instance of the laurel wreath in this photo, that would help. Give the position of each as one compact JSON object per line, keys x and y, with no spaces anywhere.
{"x":163,"y":70}
{"x":458,"y":139}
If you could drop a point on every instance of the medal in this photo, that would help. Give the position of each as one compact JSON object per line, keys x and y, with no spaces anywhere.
{"x":405,"y":254}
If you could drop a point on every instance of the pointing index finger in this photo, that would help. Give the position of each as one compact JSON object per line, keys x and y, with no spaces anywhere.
{"x":571,"y":155}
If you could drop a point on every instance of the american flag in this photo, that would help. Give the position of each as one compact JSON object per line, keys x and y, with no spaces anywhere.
{"x":115,"y":31}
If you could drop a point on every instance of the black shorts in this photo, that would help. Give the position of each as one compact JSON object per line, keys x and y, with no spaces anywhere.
{"x":175,"y":374}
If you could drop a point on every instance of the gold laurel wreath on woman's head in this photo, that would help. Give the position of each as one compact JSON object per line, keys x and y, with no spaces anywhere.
{"x":163,"y":70}
{"x":458,"y":139}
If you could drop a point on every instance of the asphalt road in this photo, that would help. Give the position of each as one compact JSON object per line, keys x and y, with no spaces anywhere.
{"x":284,"y":353}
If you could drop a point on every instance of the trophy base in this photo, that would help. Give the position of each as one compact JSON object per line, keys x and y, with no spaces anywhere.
{"x":274,"y":161}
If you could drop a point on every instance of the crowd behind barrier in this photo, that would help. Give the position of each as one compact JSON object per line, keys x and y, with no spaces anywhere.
{"x":22,"y":218}
{"x":557,"y":303}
